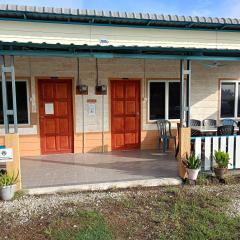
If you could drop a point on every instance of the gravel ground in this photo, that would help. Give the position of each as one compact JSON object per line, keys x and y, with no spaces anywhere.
{"x":234,"y":211}
{"x":29,"y":214}
{"x":21,"y":210}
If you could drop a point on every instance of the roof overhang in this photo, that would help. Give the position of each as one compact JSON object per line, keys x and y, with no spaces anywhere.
{"x":133,"y":52}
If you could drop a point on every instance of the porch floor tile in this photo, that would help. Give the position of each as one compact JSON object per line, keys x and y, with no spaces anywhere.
{"x":91,"y":168}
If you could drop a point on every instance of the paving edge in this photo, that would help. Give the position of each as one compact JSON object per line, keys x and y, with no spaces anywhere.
{"x":105,"y":186}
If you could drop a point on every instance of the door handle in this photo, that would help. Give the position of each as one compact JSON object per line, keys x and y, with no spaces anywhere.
{"x":137,"y":114}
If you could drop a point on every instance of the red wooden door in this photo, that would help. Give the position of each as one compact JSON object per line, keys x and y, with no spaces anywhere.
{"x":55,"y":112}
{"x":125,"y":114}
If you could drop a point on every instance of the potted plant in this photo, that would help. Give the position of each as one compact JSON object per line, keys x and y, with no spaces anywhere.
{"x":222,"y":161}
{"x":193,"y":165}
{"x":7,"y":186}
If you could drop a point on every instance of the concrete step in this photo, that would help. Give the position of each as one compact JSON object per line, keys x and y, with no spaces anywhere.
{"x":105,"y":186}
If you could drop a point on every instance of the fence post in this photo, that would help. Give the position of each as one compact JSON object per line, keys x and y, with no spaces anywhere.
{"x":184,"y":149}
{"x":12,"y":141}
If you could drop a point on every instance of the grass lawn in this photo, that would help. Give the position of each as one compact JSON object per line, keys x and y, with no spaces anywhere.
{"x":191,"y":212}
{"x":90,"y":225}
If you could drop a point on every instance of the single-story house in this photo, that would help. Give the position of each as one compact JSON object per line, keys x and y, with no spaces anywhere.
{"x":97,"y":81}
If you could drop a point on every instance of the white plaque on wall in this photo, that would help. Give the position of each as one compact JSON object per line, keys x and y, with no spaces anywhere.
{"x":6,"y":154}
{"x":91,"y":109}
{"x":49,"y":108}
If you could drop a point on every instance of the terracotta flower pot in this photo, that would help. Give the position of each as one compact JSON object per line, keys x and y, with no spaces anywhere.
{"x":220,"y":172}
{"x":192,"y":174}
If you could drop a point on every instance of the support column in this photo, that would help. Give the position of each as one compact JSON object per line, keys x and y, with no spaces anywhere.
{"x":4,"y":95}
{"x":182,"y":94}
{"x":189,"y":75}
{"x":184,"y":149}
{"x":12,"y":141}
{"x":8,"y":112}
{"x":185,"y":104}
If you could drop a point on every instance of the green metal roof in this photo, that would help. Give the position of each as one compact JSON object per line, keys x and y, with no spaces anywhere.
{"x":119,"y":18}
{"x":99,"y":51}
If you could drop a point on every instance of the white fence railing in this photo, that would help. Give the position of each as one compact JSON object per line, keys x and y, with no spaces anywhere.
{"x":204,"y":148}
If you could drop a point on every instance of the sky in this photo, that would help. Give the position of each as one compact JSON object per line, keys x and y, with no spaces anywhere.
{"x":211,"y":8}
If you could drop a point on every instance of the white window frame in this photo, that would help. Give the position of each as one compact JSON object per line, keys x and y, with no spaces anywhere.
{"x":166,"y":99}
{"x":28,"y":104}
{"x":236,"y":82}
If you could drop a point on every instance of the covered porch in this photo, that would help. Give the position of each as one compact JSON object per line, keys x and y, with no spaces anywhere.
{"x":85,"y":171}
{"x":82,"y":170}
{"x":96,"y":171}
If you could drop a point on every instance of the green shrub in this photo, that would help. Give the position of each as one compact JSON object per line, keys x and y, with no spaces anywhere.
{"x":222,"y":159}
{"x":7,"y":180}
{"x":193,"y":162}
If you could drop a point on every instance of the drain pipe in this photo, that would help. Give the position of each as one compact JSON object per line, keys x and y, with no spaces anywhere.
{"x":83,"y":126}
{"x":97,"y":82}
{"x":103,"y":123}
{"x":144,"y":79}
{"x":83,"y":117}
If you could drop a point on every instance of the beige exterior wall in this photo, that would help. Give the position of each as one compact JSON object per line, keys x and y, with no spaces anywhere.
{"x":93,"y":132}
{"x":77,"y":34}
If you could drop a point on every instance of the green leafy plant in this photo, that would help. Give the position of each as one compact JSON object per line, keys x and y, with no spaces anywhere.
{"x":222,"y":159}
{"x":7,"y":180}
{"x":193,"y":162}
